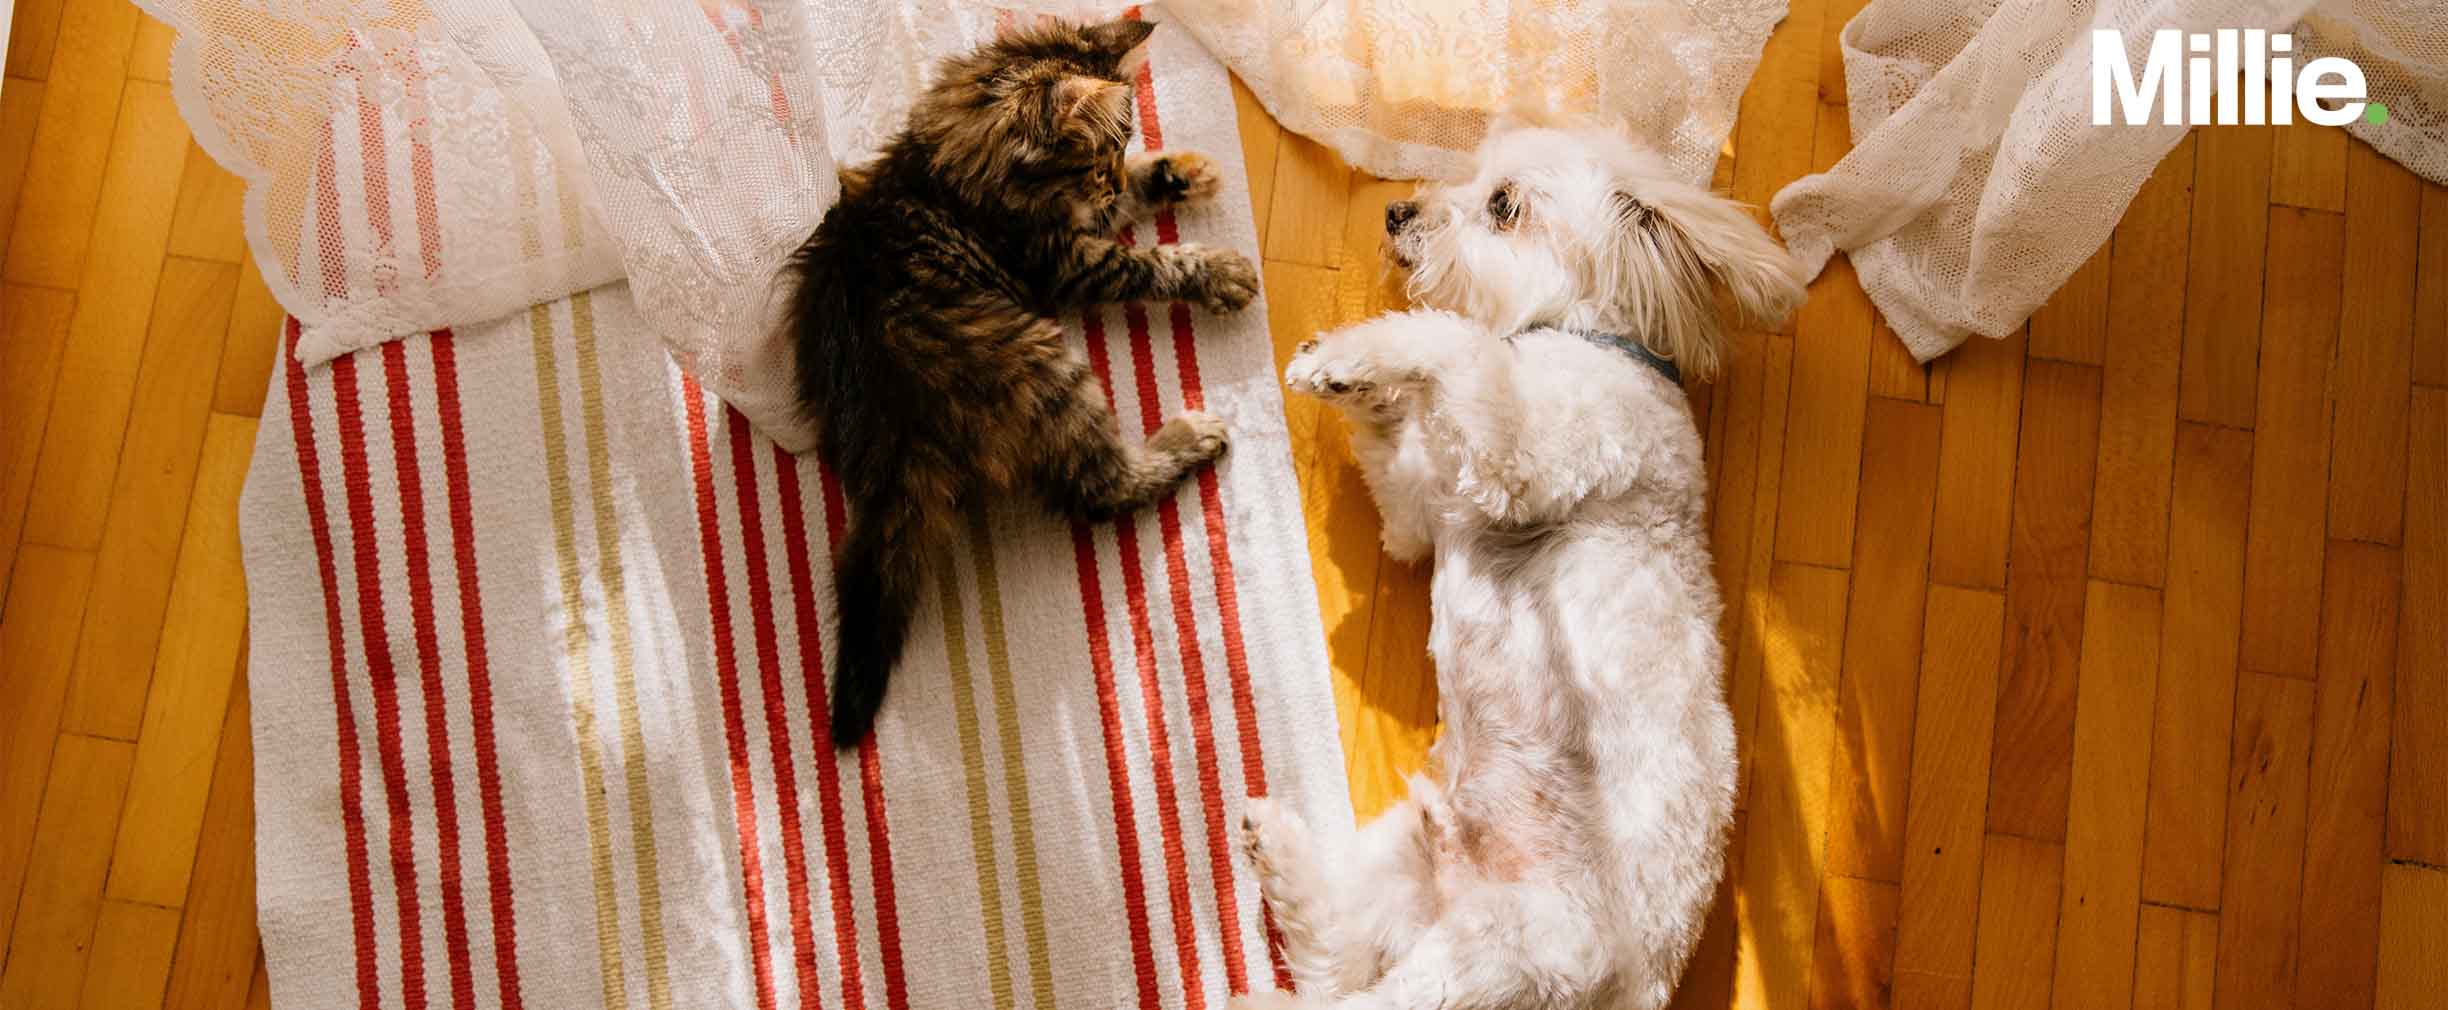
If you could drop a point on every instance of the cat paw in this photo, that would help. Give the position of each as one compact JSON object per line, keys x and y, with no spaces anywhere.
{"x":1182,"y":177}
{"x":1227,"y":281}
{"x":1192,"y":433}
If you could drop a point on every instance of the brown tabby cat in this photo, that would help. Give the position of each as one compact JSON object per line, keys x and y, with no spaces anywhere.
{"x":929,"y":354}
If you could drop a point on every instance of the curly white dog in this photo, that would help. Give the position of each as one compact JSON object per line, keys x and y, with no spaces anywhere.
{"x":1530,"y":430}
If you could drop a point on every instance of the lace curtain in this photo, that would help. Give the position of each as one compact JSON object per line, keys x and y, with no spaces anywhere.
{"x":413,"y":165}
{"x":1977,"y":185}
{"x":1405,"y":88}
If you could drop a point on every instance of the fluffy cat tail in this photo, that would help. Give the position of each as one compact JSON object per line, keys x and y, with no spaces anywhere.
{"x":875,"y":594}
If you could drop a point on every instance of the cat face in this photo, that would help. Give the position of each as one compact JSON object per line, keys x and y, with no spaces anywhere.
{"x":1036,"y":122}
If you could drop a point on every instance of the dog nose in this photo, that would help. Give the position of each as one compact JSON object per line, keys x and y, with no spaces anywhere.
{"x":1398,"y":214}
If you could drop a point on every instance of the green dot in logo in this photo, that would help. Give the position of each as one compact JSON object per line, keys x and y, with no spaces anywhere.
{"x":2375,"y":113}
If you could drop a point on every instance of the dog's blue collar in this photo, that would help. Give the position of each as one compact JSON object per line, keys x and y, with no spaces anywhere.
{"x":1616,"y":341}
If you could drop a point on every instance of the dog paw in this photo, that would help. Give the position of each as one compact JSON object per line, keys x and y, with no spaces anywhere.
{"x":1183,"y":177}
{"x":1227,"y":281}
{"x":1192,"y":433}
{"x":1326,"y":375}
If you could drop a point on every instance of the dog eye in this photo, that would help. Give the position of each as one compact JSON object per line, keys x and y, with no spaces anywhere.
{"x":1504,"y":205}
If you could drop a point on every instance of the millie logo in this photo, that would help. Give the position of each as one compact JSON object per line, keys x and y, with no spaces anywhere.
{"x":2185,"y":73}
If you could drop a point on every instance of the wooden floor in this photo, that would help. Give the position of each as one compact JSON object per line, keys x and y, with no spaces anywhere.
{"x":2104,"y":666}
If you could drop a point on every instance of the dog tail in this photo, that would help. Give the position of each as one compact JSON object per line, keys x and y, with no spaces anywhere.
{"x":875,"y":594}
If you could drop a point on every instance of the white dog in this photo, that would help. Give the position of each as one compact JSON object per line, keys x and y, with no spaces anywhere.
{"x":1529,"y":430}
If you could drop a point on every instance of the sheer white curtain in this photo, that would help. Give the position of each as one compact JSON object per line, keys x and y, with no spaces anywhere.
{"x":1405,"y":88}
{"x":1977,"y":184}
{"x":413,"y":165}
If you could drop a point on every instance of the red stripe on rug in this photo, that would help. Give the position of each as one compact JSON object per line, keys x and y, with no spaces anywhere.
{"x":871,"y":787}
{"x":1160,"y":745}
{"x":1228,"y":610}
{"x":429,"y":670}
{"x":777,"y":716}
{"x":726,"y":672}
{"x":1109,"y":709}
{"x":344,"y":711}
{"x":810,"y":630}
{"x":383,"y":676}
{"x":501,"y":897}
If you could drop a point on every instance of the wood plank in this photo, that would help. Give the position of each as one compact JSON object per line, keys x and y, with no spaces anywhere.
{"x":2222,"y":341}
{"x":32,"y":39}
{"x":2418,"y":752}
{"x":206,"y":222}
{"x":2258,"y":907}
{"x":148,"y":498}
{"x":20,"y":112}
{"x":1261,"y":138}
{"x":2203,"y":613}
{"x":2431,"y":289}
{"x":1831,"y":377}
{"x":47,"y":595}
{"x":33,"y":335}
{"x":1777,"y":122}
{"x":1833,"y":331}
{"x":217,"y":942}
{"x":2375,"y":350}
{"x":1852,"y":965}
{"x":1950,"y":784}
{"x":2129,"y":504}
{"x":80,"y":451}
{"x":2308,"y":166}
{"x":2111,"y":791}
{"x":1306,"y":219}
{"x":47,"y":946}
{"x":202,"y":633}
{"x":2073,"y":324}
{"x":1785,"y":854}
{"x":1976,"y":463}
{"x":250,"y":348}
{"x":1708,"y":978}
{"x":259,"y":992}
{"x":2175,"y":959}
{"x":1743,"y":572}
{"x":1893,"y":370}
{"x":149,"y":57}
{"x":73,"y":144}
{"x":1882,"y":645}
{"x":1397,"y":678}
{"x":2017,"y":938}
{"x":2282,"y":561}
{"x":1823,"y":420}
{"x":1367,"y":283}
{"x":2033,"y":753}
{"x":1916,"y":991}
{"x":131,"y":956}
{"x":2347,"y":795}
{"x":2413,"y":937}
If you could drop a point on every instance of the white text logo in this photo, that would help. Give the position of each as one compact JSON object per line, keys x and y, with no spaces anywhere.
{"x":2227,"y":77}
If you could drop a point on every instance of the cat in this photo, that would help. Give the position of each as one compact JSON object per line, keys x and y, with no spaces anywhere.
{"x":928,"y":353}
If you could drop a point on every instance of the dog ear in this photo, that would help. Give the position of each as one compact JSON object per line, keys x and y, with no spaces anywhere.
{"x":1675,"y":248}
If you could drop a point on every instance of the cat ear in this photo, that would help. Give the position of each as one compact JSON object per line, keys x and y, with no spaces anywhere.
{"x":1084,"y":108}
{"x":1125,"y":40}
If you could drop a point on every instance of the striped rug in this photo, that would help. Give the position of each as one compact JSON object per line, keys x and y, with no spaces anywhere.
{"x":539,"y":660}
